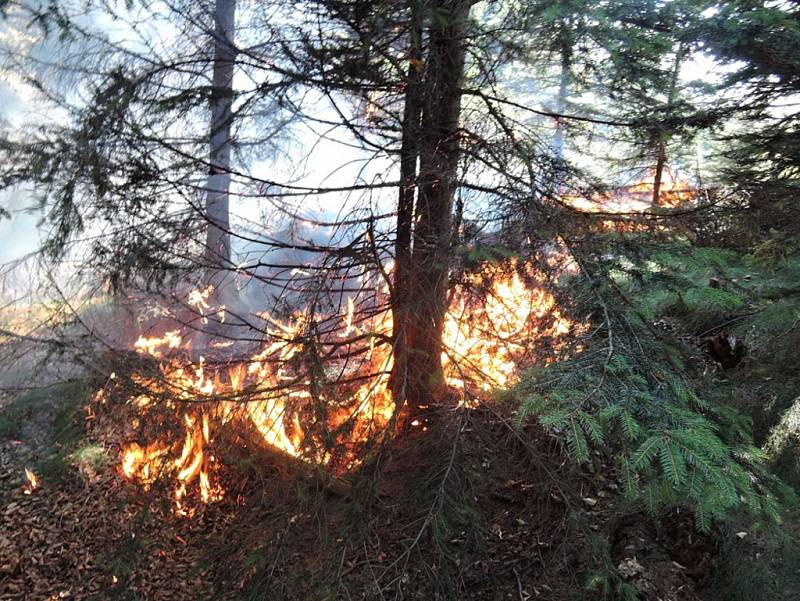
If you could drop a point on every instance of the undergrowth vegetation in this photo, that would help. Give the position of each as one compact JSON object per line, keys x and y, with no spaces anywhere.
{"x":684,"y":431}
{"x":755,"y":570}
{"x":52,"y":419}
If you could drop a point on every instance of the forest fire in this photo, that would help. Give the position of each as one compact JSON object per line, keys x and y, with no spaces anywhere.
{"x":489,"y":339}
{"x":318,"y":388}
{"x":497,"y":318}
{"x":262,"y":334}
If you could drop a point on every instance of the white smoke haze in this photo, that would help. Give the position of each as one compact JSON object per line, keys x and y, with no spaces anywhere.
{"x":286,"y":254}
{"x":306,"y":158}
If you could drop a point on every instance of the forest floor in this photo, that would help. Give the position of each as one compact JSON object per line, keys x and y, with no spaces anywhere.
{"x":472,"y":509}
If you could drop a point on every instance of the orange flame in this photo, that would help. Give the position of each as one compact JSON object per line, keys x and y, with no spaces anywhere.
{"x":484,"y":337}
{"x":32,"y":482}
{"x":637,"y":197}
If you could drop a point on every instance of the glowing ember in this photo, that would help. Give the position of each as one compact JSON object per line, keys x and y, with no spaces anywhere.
{"x":495,"y":319}
{"x":31,"y":482}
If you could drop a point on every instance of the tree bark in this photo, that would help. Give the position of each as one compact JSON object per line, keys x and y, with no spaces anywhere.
{"x":661,"y":161}
{"x":439,"y":151}
{"x":409,"y":155}
{"x":661,"y":143}
{"x":218,"y":244}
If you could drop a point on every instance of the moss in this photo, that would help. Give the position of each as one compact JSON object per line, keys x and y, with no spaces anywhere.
{"x":90,"y":456}
{"x":51,"y":419}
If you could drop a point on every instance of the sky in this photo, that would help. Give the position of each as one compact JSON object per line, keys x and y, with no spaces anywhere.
{"x":19,"y":235}
{"x":326,"y":161}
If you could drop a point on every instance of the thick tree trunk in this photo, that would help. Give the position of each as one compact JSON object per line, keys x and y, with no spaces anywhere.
{"x":439,"y":155}
{"x":409,"y":154}
{"x":217,"y":210}
{"x":218,"y":244}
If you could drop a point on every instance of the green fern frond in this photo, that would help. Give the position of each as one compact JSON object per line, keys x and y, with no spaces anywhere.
{"x":592,"y":427}
{"x":704,"y":299}
{"x":576,"y":442}
{"x":674,"y":444}
{"x":672,"y":462}
{"x":646,"y":452}
{"x":630,"y":427}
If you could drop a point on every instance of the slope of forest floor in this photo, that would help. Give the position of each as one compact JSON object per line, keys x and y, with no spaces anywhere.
{"x":474,"y":508}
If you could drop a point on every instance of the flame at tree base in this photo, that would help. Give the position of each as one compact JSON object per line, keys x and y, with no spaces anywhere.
{"x":322,"y":395}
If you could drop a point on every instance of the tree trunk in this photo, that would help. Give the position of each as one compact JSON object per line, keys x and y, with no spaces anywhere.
{"x":559,"y":137}
{"x":218,"y":244}
{"x":661,"y":142}
{"x":409,"y":154}
{"x":439,"y":155}
{"x":661,"y":161}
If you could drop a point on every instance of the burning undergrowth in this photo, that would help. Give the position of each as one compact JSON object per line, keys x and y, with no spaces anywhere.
{"x":317,"y":386}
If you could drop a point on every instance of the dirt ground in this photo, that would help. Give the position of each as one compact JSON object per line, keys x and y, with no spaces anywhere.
{"x":471,"y":509}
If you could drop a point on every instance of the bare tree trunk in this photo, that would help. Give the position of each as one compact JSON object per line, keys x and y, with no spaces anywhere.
{"x":218,"y":244}
{"x":559,"y":137}
{"x":439,"y":155}
{"x":661,"y":161}
{"x":409,"y":154}
{"x":217,"y":211}
{"x":661,"y":142}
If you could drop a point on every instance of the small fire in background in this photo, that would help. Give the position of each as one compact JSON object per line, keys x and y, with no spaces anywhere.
{"x":638,"y":196}
{"x":31,"y":482}
{"x":321,"y":393}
